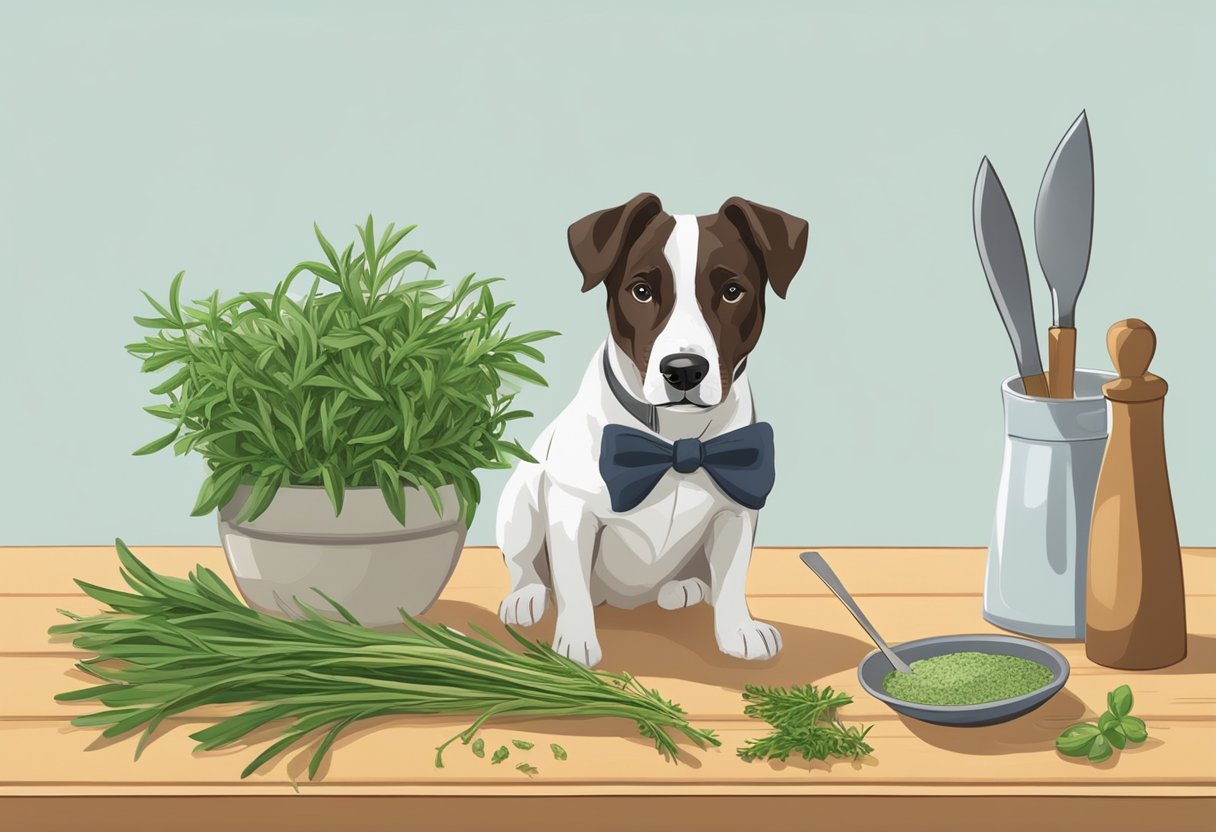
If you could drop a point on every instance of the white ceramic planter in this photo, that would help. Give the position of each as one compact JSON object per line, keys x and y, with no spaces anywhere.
{"x":364,"y":559}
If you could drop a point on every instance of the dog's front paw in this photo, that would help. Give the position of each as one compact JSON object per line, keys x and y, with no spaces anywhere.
{"x":525,"y":606}
{"x":750,"y":640}
{"x":676,"y":595}
{"x":582,"y":648}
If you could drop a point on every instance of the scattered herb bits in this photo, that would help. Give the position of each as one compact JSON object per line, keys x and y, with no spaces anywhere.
{"x":531,"y":771}
{"x":479,"y":747}
{"x":501,"y":754}
{"x":559,"y":753}
{"x":967,"y":678}
{"x":522,"y":745}
{"x":804,"y":721}
{"x":1114,"y":729}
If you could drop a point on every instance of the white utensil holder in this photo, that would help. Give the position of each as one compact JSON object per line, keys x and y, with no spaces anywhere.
{"x":1035,"y":579}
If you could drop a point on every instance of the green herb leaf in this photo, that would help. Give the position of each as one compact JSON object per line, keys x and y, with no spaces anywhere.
{"x":1100,"y":750}
{"x":165,"y":313}
{"x":1112,"y":730}
{"x":522,"y":744}
{"x":175,"y":289}
{"x":344,"y":342}
{"x":501,"y":754}
{"x":531,"y":771}
{"x":1119,"y":701}
{"x":559,"y":753}
{"x":323,"y":748}
{"x":260,"y":496}
{"x":217,"y":489}
{"x":479,"y":747}
{"x":389,"y":480}
{"x":1133,"y":728}
{"x":157,"y":444}
{"x":334,"y":488}
{"x":374,"y":439}
{"x":173,"y":382}
{"x":1076,"y":740}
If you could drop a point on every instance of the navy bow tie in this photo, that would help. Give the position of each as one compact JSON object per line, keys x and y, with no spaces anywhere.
{"x":740,"y":462}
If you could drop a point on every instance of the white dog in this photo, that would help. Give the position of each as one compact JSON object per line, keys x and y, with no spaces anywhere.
{"x":617,"y":509}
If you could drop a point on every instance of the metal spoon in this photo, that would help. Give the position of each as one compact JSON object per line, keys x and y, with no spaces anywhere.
{"x":819,"y":566}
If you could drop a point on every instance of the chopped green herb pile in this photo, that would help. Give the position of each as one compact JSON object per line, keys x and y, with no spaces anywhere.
{"x":522,"y":745}
{"x":174,"y":645}
{"x":1114,"y":729}
{"x":559,"y":753}
{"x":966,"y":679}
{"x":501,"y":754}
{"x":479,"y":747}
{"x":805,"y":721}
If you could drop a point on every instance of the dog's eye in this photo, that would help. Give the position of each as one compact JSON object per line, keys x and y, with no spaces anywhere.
{"x":732,"y":293}
{"x":641,"y":292}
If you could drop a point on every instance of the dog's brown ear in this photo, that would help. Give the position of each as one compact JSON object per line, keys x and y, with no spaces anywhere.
{"x":777,"y":239}
{"x":599,"y":241}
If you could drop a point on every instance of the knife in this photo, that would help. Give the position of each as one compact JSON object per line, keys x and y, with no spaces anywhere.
{"x":1063,"y":231}
{"x":1000,"y":246}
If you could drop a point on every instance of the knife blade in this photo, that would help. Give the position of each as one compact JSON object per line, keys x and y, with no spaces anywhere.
{"x":999,"y":243}
{"x":1063,"y":232}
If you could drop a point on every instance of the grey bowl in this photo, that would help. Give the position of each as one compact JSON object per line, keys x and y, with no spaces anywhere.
{"x":875,"y":667}
{"x":363,"y":558}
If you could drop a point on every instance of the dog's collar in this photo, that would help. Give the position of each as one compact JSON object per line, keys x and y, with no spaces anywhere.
{"x":644,"y":412}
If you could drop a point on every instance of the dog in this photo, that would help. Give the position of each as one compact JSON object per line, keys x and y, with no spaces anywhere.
{"x":685,"y":309}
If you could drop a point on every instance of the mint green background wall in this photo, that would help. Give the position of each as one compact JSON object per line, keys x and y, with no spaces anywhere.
{"x":137,"y":140}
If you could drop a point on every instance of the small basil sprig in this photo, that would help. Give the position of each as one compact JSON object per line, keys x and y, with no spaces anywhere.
{"x":1114,"y":729}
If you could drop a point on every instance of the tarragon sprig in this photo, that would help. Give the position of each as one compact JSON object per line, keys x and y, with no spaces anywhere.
{"x":804,"y":721}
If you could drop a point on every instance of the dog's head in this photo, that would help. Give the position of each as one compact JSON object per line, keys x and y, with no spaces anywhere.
{"x":686,"y":293}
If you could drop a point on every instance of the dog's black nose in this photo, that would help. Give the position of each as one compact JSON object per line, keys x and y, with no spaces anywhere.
{"x":683,"y":370}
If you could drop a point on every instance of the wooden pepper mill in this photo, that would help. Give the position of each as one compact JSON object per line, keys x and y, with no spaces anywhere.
{"x":1135,"y":614}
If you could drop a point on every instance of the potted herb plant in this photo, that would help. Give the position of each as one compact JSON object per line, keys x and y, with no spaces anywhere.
{"x":342,"y":429}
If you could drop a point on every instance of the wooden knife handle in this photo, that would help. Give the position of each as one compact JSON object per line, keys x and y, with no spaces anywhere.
{"x":1061,"y":361}
{"x":1035,"y":385}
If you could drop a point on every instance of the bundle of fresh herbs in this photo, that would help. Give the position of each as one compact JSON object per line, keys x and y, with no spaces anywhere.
{"x":804,"y":720}
{"x":174,"y":645}
{"x":376,"y":383}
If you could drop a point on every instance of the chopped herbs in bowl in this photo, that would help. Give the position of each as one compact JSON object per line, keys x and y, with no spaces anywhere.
{"x":966,"y":680}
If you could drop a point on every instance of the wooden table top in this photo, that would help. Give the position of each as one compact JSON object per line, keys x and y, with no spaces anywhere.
{"x":54,"y":776}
